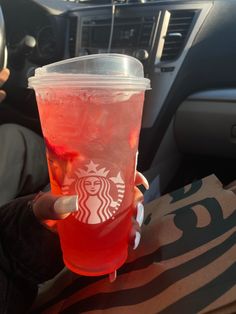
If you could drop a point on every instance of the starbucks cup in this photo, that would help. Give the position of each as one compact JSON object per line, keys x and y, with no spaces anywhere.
{"x":90,"y":110}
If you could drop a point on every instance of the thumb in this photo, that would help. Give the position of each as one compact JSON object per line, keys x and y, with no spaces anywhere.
{"x":66,"y":205}
{"x":48,"y":206}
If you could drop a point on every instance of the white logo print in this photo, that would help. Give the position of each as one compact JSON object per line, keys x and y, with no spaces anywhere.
{"x":100,"y":195}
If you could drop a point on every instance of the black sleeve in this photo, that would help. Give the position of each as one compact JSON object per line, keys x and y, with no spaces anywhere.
{"x":29,"y":250}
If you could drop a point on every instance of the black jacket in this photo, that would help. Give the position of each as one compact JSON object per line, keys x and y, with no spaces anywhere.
{"x":29,"y":255}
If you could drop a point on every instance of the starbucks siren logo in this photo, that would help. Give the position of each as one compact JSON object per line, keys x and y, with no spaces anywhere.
{"x":100,"y":195}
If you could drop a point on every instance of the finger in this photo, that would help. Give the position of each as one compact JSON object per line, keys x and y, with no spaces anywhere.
{"x":140,"y":214}
{"x":66,"y":204}
{"x":4,"y":75}
{"x":135,"y":227}
{"x":141,"y":180}
{"x":137,"y":222}
{"x":135,"y":234}
{"x":40,"y":193}
{"x":48,"y":206}
{"x":137,"y":240}
{"x":2,"y":95}
{"x":138,"y":196}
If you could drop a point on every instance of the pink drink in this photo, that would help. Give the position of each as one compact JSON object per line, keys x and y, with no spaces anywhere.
{"x":90,"y":110}
{"x":92,"y":139}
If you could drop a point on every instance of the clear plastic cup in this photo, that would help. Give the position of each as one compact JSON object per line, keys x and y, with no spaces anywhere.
{"x":90,"y":110}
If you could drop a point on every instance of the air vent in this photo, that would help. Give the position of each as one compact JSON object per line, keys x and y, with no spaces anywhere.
{"x":145,"y":38}
{"x":178,"y":31}
{"x":72,"y":35}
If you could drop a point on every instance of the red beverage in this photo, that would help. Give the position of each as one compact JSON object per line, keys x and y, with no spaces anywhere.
{"x":90,"y":110}
{"x":94,"y":156}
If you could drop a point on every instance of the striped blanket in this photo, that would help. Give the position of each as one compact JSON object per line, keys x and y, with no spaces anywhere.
{"x":186,"y":262}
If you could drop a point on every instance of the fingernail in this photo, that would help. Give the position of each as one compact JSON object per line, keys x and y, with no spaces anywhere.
{"x":66,"y":204}
{"x":137,"y":240}
{"x":145,"y":182}
{"x":140,"y":214}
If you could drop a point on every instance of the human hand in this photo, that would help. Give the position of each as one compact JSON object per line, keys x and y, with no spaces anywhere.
{"x":47,"y":206}
{"x":138,"y":209}
{"x":4,"y":75}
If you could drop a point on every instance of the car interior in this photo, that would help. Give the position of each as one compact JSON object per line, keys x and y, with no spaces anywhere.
{"x":187,"y":48}
{"x":188,"y":52}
